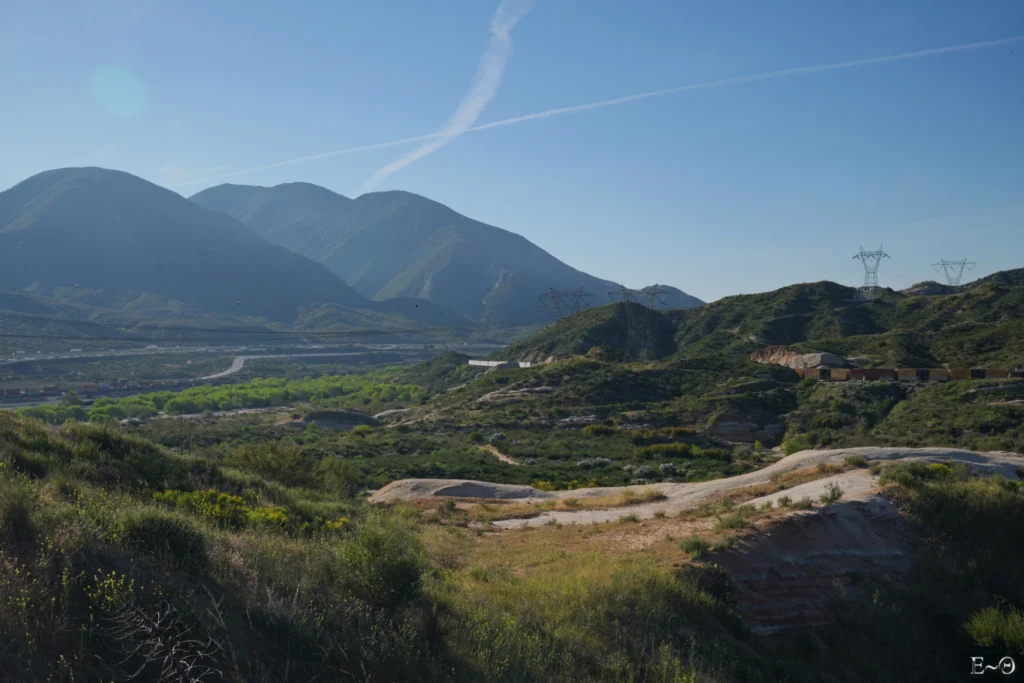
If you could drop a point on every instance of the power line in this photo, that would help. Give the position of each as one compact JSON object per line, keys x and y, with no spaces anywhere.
{"x":954,"y":270}
{"x":566,"y":302}
{"x":871,"y":260}
{"x":638,"y":336}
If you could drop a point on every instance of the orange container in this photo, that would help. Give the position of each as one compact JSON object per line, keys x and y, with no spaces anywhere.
{"x":908,"y":374}
{"x":996,"y":373}
{"x":840,"y":374}
{"x":959,"y":373}
{"x":938,"y":375}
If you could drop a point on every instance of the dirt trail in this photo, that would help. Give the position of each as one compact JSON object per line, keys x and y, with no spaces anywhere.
{"x":857,"y":484}
{"x":493,"y":450}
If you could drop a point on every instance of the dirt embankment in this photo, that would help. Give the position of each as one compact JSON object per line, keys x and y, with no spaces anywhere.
{"x":780,"y":355}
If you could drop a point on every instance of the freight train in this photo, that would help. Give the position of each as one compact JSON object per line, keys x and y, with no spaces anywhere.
{"x":908,"y":374}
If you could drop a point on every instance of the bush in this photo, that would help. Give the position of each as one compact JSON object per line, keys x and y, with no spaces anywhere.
{"x":725,"y":542}
{"x":383,"y":561}
{"x":672,"y":450}
{"x":793,"y":446}
{"x":852,"y":461}
{"x":833,"y":492}
{"x":784,"y":501}
{"x":16,"y":504}
{"x":476,"y":437}
{"x":599,"y":430}
{"x":804,"y":503}
{"x":992,"y":627}
{"x":694,"y":546}
{"x":338,"y":476}
{"x":644,"y":472}
{"x":160,"y":533}
{"x":275,"y":460}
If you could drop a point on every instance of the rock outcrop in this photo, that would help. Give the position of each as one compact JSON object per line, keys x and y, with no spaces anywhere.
{"x":780,"y":355}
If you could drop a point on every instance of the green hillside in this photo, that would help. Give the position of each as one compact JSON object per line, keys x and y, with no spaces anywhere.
{"x":981,"y":324}
{"x":395,"y":244}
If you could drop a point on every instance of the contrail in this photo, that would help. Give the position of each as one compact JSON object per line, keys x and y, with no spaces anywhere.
{"x":485,"y":85}
{"x":781,"y":73}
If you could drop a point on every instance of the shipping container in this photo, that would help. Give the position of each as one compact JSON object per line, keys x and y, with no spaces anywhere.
{"x":90,"y":387}
{"x":907,"y":374}
{"x":922,"y":374}
{"x":996,"y":373}
{"x":977,"y":373}
{"x":938,"y":375}
{"x":840,"y":374}
{"x":1017,"y":372}
{"x":874,"y":374}
{"x":959,"y":373}
{"x":811,"y":373}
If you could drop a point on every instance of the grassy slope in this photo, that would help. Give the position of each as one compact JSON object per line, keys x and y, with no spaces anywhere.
{"x":284,"y":577}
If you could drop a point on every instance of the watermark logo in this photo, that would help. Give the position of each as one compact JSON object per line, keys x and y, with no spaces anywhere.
{"x":1005,"y":666}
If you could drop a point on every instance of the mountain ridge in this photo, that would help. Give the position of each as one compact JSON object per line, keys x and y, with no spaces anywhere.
{"x":108,"y":239}
{"x":397,"y":243}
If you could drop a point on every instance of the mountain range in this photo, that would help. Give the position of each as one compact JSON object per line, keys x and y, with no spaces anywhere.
{"x":295,"y":255}
{"x":391,"y":244}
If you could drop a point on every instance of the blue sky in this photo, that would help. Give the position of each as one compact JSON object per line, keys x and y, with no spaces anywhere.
{"x":737,"y":188}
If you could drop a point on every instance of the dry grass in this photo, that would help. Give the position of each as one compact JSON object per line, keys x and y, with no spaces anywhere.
{"x":494,"y":510}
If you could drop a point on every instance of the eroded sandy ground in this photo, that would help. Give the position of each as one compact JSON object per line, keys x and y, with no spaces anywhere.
{"x":786,"y":567}
{"x":857,"y":484}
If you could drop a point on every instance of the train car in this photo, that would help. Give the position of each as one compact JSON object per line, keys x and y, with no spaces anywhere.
{"x":799,"y":371}
{"x":938,"y":375}
{"x":977,"y":373}
{"x":996,"y":373}
{"x":840,"y":374}
{"x":1017,"y":372}
{"x":874,"y":374}
{"x":907,"y":374}
{"x":959,"y":373}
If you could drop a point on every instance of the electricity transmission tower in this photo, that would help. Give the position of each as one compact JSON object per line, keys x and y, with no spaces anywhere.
{"x":954,"y":270}
{"x":638,"y":336}
{"x":871,"y":260}
{"x":566,"y":302}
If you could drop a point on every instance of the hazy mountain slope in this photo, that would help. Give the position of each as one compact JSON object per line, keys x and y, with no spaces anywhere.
{"x":388,"y":244}
{"x":119,"y":237}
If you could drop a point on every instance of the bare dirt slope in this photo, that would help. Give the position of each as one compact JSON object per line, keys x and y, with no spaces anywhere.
{"x":789,"y":572}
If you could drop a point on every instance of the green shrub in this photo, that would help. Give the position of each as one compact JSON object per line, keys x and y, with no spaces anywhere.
{"x":382,"y":560}
{"x":694,"y":546}
{"x":338,"y":475}
{"x":476,"y":437}
{"x":734,"y":521}
{"x":275,"y":460}
{"x":1002,"y":628}
{"x":804,"y":503}
{"x":16,"y":504}
{"x":853,"y":461}
{"x":725,"y":542}
{"x":833,"y":493}
{"x":793,"y":446}
{"x":784,"y":501}
{"x":158,"y":533}
{"x":223,"y":509}
{"x":599,"y":430}
{"x":670,"y":450}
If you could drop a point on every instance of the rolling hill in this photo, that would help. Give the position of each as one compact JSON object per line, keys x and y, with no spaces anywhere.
{"x":980,"y":324}
{"x":104,"y":239}
{"x":391,"y":244}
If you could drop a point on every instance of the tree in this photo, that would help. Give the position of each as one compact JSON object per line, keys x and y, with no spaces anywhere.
{"x":338,"y":475}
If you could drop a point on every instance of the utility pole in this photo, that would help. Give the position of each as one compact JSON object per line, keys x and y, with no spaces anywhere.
{"x":954,"y":270}
{"x":871,"y":260}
